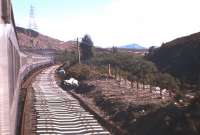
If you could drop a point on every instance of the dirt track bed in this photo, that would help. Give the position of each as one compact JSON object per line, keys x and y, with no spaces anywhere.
{"x":112,"y":89}
{"x":120,"y":104}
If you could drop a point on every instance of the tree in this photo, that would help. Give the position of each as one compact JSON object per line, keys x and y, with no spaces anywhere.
{"x":114,"y":50}
{"x":151,"y":50}
{"x":147,"y":72}
{"x":86,"y":46}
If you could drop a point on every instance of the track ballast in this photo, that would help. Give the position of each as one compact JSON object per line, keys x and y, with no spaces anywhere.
{"x":57,"y":112}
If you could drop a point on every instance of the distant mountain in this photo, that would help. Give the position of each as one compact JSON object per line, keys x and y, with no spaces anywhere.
{"x":132,"y":46}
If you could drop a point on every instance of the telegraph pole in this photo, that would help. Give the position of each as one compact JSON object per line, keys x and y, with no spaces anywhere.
{"x":78,"y":50}
{"x":109,"y":70}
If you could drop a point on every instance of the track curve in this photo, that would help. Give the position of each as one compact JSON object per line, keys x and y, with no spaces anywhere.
{"x":57,"y":112}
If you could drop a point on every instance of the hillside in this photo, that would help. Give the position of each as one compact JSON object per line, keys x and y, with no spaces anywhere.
{"x":34,"y":40}
{"x":30,"y":40}
{"x":180,"y":57}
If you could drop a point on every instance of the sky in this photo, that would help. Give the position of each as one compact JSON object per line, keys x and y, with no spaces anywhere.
{"x":112,"y":22}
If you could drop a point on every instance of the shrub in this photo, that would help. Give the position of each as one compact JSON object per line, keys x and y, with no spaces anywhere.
{"x":79,"y":71}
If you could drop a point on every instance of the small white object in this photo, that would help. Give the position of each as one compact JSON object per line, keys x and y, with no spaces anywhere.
{"x":164,"y":90}
{"x":181,"y":101}
{"x":62,"y":71}
{"x":156,"y":92}
{"x":71,"y":81}
{"x":157,"y":88}
{"x":143,"y":111}
{"x":189,"y":96}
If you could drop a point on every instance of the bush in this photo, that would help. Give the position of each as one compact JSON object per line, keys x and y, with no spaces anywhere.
{"x":66,"y":56}
{"x":79,"y":71}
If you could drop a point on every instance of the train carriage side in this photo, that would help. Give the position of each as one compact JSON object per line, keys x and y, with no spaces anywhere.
{"x":14,"y":66}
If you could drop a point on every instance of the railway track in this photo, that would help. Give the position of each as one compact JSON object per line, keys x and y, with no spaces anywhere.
{"x":57,"y":112}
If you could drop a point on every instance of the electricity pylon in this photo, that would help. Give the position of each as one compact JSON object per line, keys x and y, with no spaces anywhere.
{"x":32,"y":26}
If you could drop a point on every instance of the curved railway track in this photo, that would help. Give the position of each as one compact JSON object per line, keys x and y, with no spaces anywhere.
{"x":57,"y":112}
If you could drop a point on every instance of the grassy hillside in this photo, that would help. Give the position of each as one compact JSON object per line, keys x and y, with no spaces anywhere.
{"x":34,"y":40}
{"x":181,"y":58}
